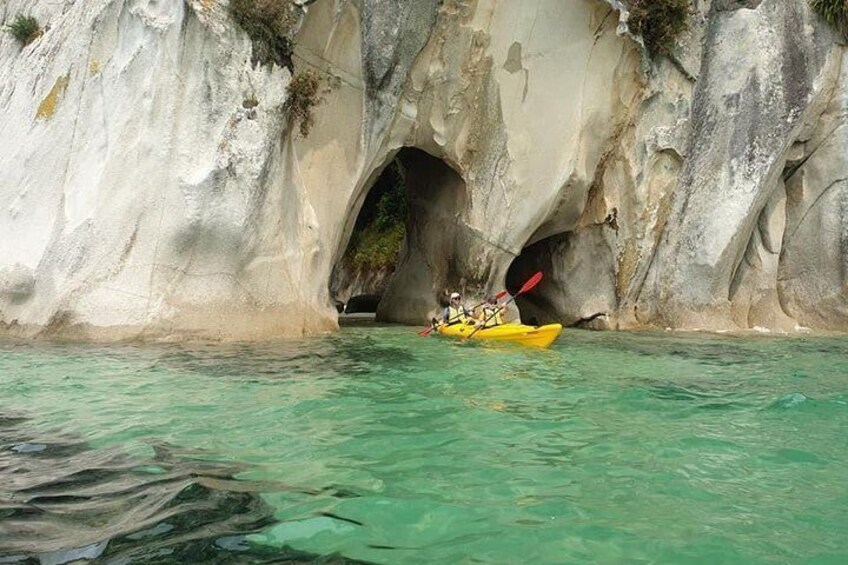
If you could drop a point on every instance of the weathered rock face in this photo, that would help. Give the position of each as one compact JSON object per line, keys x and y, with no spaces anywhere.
{"x":139,"y":144}
{"x":812,"y":274}
{"x":347,"y":283}
{"x":765,"y":74}
{"x":149,"y":184}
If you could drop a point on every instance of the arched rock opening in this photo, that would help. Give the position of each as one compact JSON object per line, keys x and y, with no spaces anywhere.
{"x":579,"y":284}
{"x":423,"y":256}
{"x":362,"y":275}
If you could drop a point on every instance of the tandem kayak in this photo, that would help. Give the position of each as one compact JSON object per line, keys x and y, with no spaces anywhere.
{"x":536,"y":336}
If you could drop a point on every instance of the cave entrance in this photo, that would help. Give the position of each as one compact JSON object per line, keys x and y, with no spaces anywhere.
{"x":400,"y":251}
{"x":536,"y":306}
{"x":579,"y":284}
{"x":370,"y":259}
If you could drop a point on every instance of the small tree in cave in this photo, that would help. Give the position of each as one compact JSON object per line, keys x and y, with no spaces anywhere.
{"x":381,"y":225}
{"x":301,"y":98}
{"x":834,"y":12}
{"x":659,"y":22}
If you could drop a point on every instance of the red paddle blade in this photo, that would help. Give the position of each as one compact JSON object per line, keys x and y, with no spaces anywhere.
{"x":501,"y":294}
{"x":530,"y":284}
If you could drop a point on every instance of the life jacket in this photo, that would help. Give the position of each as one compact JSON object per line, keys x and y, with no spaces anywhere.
{"x":491,"y":316}
{"x":455,"y":315}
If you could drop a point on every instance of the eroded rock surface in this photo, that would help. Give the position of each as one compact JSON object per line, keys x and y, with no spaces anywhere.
{"x":151,"y":186}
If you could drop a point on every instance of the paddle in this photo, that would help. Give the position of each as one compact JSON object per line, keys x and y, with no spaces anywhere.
{"x":426,"y":331}
{"x":528,"y":286}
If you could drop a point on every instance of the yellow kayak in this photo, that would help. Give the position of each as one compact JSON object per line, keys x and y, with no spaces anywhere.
{"x":541,"y":336}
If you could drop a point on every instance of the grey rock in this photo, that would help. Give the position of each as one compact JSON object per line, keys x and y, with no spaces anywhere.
{"x":579,"y":282}
{"x":393,"y":34}
{"x":17,"y":284}
{"x":761,"y":77}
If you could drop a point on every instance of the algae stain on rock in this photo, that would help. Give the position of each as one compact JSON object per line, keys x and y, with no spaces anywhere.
{"x":48,"y":106}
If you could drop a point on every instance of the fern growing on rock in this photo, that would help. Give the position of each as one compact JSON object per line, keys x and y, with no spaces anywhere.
{"x":834,"y":12}
{"x":24,"y":28}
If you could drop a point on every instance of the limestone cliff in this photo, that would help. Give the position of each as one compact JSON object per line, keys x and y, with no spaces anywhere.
{"x":150,"y":184}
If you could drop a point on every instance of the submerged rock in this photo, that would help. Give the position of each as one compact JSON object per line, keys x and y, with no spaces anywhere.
{"x":158,"y":190}
{"x":788,"y":401}
{"x":68,"y":502}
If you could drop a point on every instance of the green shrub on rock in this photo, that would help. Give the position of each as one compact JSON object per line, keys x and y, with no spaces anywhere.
{"x":270,"y":25}
{"x":377,"y":248}
{"x":659,"y":22}
{"x":24,"y":28}
{"x":301,"y":98}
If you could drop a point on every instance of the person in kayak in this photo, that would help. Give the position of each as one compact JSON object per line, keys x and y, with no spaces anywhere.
{"x":456,"y":312}
{"x":491,"y":314}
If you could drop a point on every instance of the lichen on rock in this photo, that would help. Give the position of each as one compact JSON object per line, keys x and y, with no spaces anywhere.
{"x":48,"y":106}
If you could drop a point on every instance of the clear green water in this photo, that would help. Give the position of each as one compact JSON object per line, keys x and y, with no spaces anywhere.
{"x":608,"y":448}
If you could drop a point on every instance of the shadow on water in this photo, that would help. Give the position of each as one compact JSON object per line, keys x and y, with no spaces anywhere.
{"x":327,"y":357}
{"x":63,"y":501}
{"x":720,"y":350}
{"x":713,"y":396}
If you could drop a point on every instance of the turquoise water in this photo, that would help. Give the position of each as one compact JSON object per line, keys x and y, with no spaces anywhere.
{"x":378,"y":445}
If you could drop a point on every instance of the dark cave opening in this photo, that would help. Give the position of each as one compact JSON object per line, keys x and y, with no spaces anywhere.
{"x":362,"y":275}
{"x":579,"y":284}
{"x":534,"y":306}
{"x":400,"y":250}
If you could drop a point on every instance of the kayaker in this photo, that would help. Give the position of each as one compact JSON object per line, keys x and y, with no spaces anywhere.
{"x":455,"y":313}
{"x":490,"y":316}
